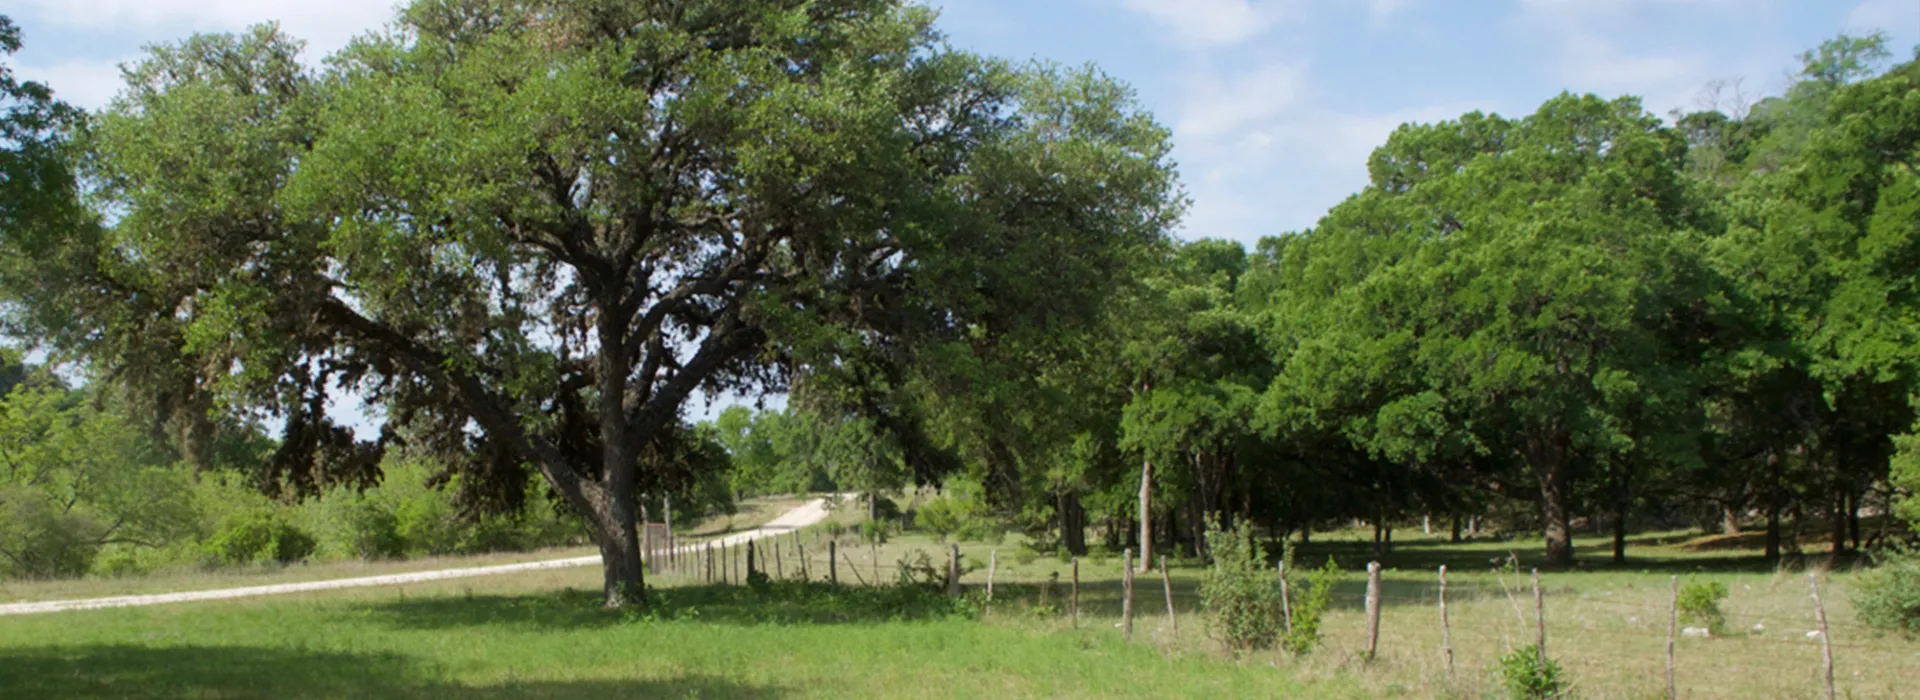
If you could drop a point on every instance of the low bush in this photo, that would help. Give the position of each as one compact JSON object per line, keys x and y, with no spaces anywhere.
{"x":259,"y":536}
{"x":1526,"y":674}
{"x":1242,"y":601}
{"x":1700,"y":605}
{"x":41,"y":540}
{"x":1887,"y":597}
{"x":1309,"y":605}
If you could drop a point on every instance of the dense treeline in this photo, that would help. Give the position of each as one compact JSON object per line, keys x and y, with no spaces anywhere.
{"x":526,"y":232}
{"x":1585,"y":316}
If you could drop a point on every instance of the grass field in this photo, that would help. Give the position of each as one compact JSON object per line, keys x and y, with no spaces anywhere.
{"x":539,"y":634}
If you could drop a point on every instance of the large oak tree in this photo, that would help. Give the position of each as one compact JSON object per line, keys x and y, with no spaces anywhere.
{"x":530,"y":230}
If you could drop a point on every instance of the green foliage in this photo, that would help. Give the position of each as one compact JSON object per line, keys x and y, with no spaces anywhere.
{"x":939,"y":516}
{"x":259,"y":537}
{"x":1700,"y":605}
{"x":1310,"y":606}
{"x":1239,"y":594}
{"x":1528,"y":676}
{"x":873,"y":531}
{"x":1888,"y":596}
{"x":41,"y":540}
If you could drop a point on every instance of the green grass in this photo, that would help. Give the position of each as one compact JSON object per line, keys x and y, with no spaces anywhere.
{"x":539,"y":634}
{"x":794,"y":641}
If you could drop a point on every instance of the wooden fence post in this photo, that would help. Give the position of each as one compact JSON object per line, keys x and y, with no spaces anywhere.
{"x":708,"y":559}
{"x":779,"y":567}
{"x":993,"y":562}
{"x":1166,"y":581}
{"x":1826,"y":642}
{"x":1286,"y":599}
{"x":750,"y":567}
{"x":1446,"y":632}
{"x":1075,"y":602}
{"x":1540,"y":616}
{"x":802,"y":549}
{"x":1673,"y":627}
{"x":953,"y":573}
{"x":1373,"y":608}
{"x":833,"y":566}
{"x":1126,"y":595}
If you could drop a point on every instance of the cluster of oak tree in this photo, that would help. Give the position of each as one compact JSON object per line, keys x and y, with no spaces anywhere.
{"x":526,"y":232}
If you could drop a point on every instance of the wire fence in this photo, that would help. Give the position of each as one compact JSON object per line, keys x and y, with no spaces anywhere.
{"x":1613,"y":646}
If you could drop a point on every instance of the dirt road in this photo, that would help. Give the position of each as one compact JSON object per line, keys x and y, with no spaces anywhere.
{"x":808,"y":513}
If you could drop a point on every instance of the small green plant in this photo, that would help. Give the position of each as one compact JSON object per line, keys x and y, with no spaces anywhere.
{"x":1309,"y":606}
{"x":1526,"y":674}
{"x":1888,"y":596}
{"x":1025,"y":556}
{"x":1243,"y":602}
{"x":1700,"y":605}
{"x":873,"y":531}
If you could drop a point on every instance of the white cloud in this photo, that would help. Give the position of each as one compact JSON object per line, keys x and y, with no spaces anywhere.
{"x":1379,"y":11}
{"x":1890,"y":15}
{"x":1222,"y":108}
{"x":88,"y":84}
{"x":1264,"y":150}
{"x":325,"y":25}
{"x":1210,"y":23}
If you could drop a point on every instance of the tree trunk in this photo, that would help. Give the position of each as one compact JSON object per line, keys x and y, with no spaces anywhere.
{"x":613,"y":522}
{"x":1620,"y":533}
{"x":1729,"y":520}
{"x":1456,"y":528}
{"x":1073,"y":524}
{"x":1146,"y":512}
{"x":1773,"y":506}
{"x":1546,"y":455}
{"x":1853,"y":518}
{"x":1839,"y":539}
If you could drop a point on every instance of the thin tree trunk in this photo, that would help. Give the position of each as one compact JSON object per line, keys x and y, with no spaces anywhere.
{"x":1773,"y":506}
{"x":1620,"y":533}
{"x":1456,"y":529}
{"x":1146,"y":512}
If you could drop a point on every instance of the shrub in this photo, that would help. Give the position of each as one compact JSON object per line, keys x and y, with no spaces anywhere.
{"x":1526,"y":674}
{"x":1700,"y":605}
{"x":939,"y":517}
{"x":873,"y":531}
{"x":1309,"y":606}
{"x":259,"y":536}
{"x":41,"y":540}
{"x":1025,"y":556}
{"x":1888,"y":596}
{"x":1244,"y":604}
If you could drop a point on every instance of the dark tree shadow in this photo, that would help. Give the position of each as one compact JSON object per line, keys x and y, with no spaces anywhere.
{"x":124,"y":671}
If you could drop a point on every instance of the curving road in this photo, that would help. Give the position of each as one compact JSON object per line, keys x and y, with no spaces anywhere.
{"x":808,"y":513}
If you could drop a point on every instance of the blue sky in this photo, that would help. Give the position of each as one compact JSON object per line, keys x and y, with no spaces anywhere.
{"x":1274,"y":103}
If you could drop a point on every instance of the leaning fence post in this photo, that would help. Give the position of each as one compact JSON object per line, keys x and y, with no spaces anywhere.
{"x":750,"y":567}
{"x":1446,"y":633}
{"x":1126,"y":595}
{"x":802,"y":553}
{"x":993,"y":561}
{"x":1826,"y":643}
{"x":1166,"y":582}
{"x":833,"y":565}
{"x":1373,"y":607}
{"x":779,"y":566}
{"x":1673,"y":627}
{"x":1075,"y":603}
{"x":1286,"y":602}
{"x":1540,"y":616}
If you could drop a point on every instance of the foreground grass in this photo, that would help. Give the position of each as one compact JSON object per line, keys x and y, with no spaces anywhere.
{"x":794,"y":640}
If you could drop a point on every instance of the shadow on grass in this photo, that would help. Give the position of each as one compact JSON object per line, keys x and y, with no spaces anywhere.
{"x":122,"y":671}
{"x":785,"y":602}
{"x":1479,"y":557}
